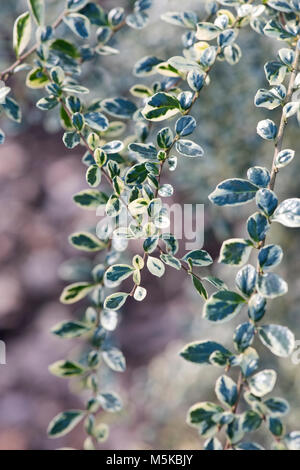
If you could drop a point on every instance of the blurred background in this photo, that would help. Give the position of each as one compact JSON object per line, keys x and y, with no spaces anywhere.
{"x":38,"y":177}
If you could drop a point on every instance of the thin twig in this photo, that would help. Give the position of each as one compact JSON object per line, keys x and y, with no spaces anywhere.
{"x":4,"y":76}
{"x":10,"y":70}
{"x":282,"y":125}
{"x":240,"y":385}
{"x":195,"y":97}
{"x":283,"y":120}
{"x":274,"y":171}
{"x":187,"y":270}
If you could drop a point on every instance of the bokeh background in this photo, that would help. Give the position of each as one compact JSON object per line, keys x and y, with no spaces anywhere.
{"x":38,"y":177}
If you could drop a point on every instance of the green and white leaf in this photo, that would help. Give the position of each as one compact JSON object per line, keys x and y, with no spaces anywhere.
{"x":138,"y":206}
{"x":12,"y":109}
{"x":147,"y":151}
{"x":136,"y":174}
{"x":248,"y":361}
{"x":277,"y":406}
{"x":2,"y":137}
{"x":4,"y":91}
{"x":75,"y":292}
{"x":279,"y":339}
{"x":235,"y":251}
{"x":78,"y":23}
{"x":293,"y":440}
{"x":266,"y":99}
{"x":200,"y":351}
{"x":109,"y":319}
{"x":140,"y":293}
{"x":114,"y":359}
{"x":185,"y":19}
{"x":77,"y":4}
{"x":93,"y":176}
{"x":198,"y":258}
{"x":291,"y":108}
{"x":115,"y":301}
{"x":90,"y":199}
{"x":226,"y":390}
{"x":71,"y":139}
{"x":155,"y":266}
{"x":251,"y":421}
{"x":161,"y":106}
{"x":244,"y":336}
{"x":267,"y":129}
{"x":232,"y":54}
{"x":37,"y":78}
{"x":37,"y":8}
{"x":216,"y":282}
{"x":140,"y":91}
{"x":284,"y":157}
{"x":110,"y":402}
{"x":119,"y":107}
{"x":86,"y":241}
{"x":21,"y":33}
{"x":65,"y":47}
{"x":270,"y":256}
{"x":47,"y":103}
{"x":171,"y":261}
{"x":233,"y":192}
{"x":262,"y":383}
{"x":207,"y":31}
{"x":288,"y":213}
{"x":101,"y":432}
{"x":271,"y":285}
{"x":275,"y":72}
{"x":116,"y":274}
{"x":201,"y":415}
{"x":113,"y":206}
{"x":212,"y":444}
{"x":64,"y":422}
{"x":199,"y":287}
{"x":187,"y":148}
{"x":66,"y":369}
{"x":70,"y":329}
{"x":183,"y":64}
{"x":96,"y":121}
{"x":222,"y":306}
{"x":77,"y":89}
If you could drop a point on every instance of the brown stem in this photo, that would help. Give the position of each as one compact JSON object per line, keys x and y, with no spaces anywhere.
{"x":282,"y":125}
{"x":274,"y":171}
{"x":85,"y":142}
{"x":283,"y":120}
{"x":187,"y":270}
{"x":195,"y":97}
{"x":10,"y":70}
{"x":240,"y":385}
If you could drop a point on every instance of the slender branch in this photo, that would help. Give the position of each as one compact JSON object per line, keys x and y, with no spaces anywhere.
{"x":187,"y":270}
{"x":85,"y":142}
{"x":274,"y":171}
{"x":195,"y":97}
{"x":283,"y":120}
{"x":282,"y":125}
{"x":240,"y":386}
{"x":108,"y":178}
{"x":4,"y":76}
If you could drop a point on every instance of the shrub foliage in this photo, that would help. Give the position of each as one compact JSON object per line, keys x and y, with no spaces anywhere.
{"x":129,"y":167}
